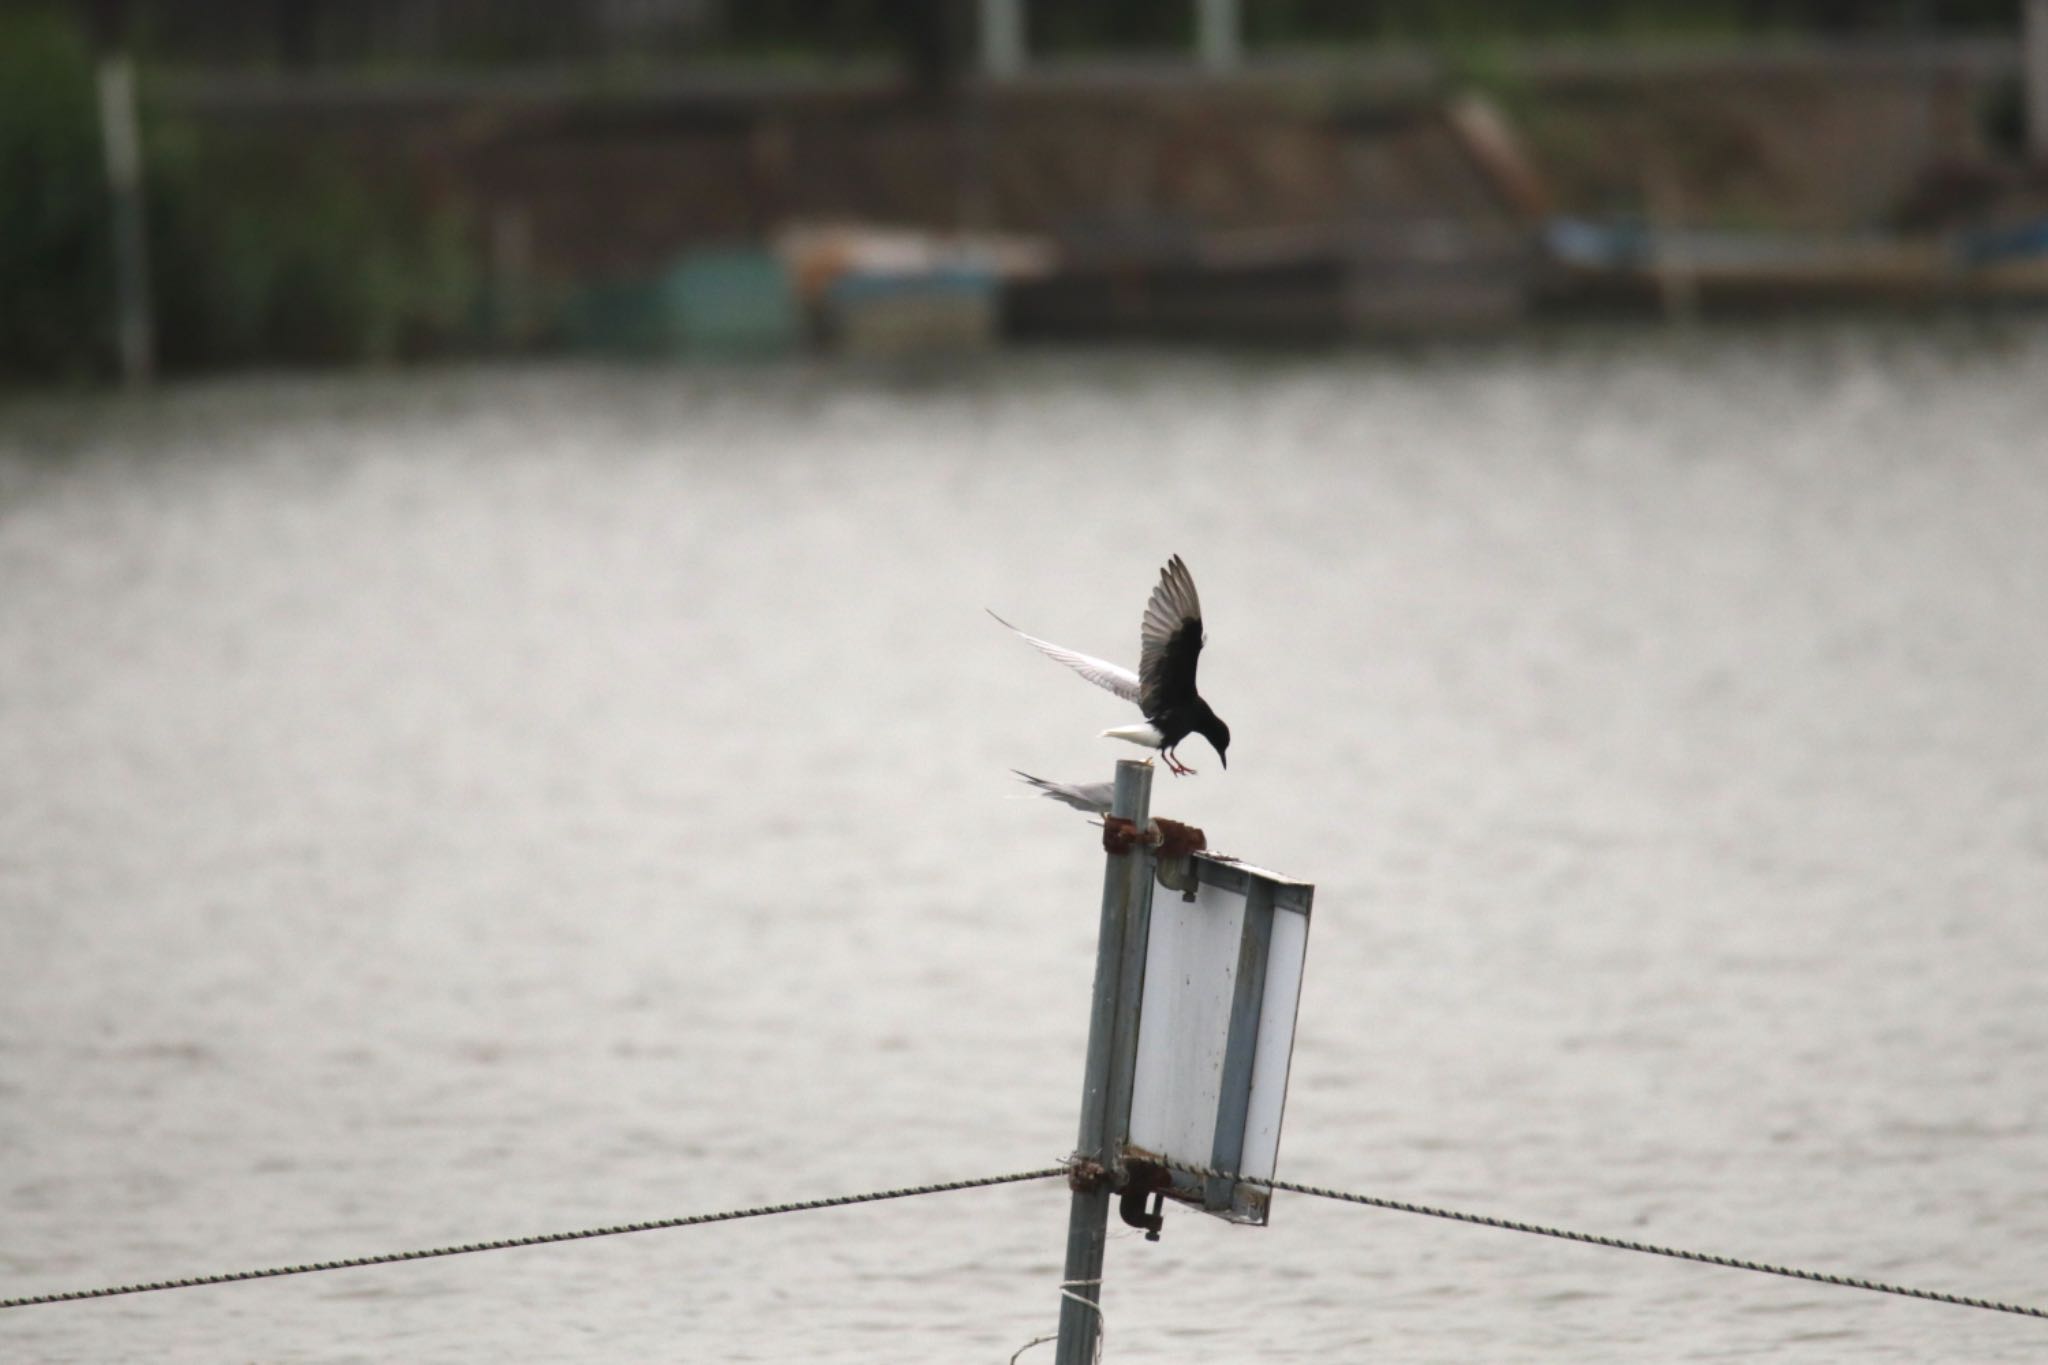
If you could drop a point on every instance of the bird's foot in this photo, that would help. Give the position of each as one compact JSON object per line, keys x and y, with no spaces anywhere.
{"x":1176,"y":767}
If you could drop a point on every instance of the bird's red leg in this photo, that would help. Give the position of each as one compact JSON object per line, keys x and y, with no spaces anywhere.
{"x":1174,"y":765}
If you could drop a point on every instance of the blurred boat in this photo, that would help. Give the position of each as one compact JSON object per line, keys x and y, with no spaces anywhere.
{"x":2027,"y":241}
{"x":1395,"y":276}
{"x":1632,"y":266}
{"x":878,"y":291}
{"x":877,"y":313}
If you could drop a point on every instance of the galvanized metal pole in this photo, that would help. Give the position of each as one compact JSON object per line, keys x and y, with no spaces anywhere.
{"x":1112,"y":1046}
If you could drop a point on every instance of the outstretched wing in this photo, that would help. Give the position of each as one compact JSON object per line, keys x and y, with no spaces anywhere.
{"x":1101,"y":672}
{"x":1093,"y":797}
{"x":1170,"y":642}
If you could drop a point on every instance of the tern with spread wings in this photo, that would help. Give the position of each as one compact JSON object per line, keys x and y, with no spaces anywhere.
{"x":1169,"y":647}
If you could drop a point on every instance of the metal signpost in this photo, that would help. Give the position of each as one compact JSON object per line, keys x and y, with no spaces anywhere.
{"x":1189,"y":1040}
{"x":1126,"y":897}
{"x":1223,"y":977}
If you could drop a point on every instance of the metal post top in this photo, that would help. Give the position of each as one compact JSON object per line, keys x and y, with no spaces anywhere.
{"x":1133,"y":799}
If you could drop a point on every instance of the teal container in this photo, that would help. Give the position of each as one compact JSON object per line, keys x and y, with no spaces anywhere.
{"x":716,"y":304}
{"x":730,"y":303}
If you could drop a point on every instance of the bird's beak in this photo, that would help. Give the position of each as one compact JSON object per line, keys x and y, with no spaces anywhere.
{"x":1224,"y":759}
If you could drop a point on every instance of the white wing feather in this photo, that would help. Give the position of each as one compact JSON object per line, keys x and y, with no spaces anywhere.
{"x":1092,"y":797}
{"x":1101,"y":672}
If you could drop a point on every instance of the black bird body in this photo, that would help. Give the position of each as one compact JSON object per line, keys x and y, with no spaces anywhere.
{"x":1169,"y":649}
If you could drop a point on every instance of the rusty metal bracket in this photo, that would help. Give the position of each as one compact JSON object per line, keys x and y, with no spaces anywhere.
{"x":1178,"y":845}
{"x":1084,"y":1175}
{"x":1143,"y":1181}
{"x":1175,"y":840}
{"x":1174,"y":843}
{"x":1120,"y":836}
{"x":1170,"y":837}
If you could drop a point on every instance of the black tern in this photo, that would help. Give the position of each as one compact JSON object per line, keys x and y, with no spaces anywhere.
{"x":1169,"y":647}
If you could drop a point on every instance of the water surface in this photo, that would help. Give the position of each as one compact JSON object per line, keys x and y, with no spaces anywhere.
{"x":451,"y":807}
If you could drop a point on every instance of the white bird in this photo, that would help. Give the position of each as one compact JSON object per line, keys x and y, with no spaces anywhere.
{"x":1090,"y":798}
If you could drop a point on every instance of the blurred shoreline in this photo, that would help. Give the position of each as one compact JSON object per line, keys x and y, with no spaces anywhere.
{"x":400,"y":213}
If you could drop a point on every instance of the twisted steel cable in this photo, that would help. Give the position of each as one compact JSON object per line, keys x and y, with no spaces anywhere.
{"x":540,"y":1239}
{"x":1046,"y":1173}
{"x":1646,"y":1248}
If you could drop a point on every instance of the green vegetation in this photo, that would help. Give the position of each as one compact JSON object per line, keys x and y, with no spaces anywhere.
{"x":55,"y":258}
{"x":269,"y":252}
{"x":260,"y":251}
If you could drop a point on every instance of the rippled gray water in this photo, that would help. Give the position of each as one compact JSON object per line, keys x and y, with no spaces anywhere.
{"x":436,"y":809}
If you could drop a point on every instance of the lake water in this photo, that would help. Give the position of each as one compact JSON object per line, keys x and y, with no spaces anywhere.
{"x":445,"y":808}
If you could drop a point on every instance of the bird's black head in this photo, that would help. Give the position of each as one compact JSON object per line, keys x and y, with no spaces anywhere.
{"x":1217,"y":733}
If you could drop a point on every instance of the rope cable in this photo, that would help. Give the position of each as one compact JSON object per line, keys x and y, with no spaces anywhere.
{"x":540,"y":1239}
{"x":1046,"y":1173}
{"x":1644,"y":1248}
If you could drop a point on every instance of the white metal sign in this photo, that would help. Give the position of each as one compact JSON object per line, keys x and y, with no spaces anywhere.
{"x":1216,"y":1033}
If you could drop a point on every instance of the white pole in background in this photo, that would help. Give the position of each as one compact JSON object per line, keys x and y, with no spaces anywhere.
{"x":2034,"y":75}
{"x":134,"y":330}
{"x":1219,"y":34}
{"x":1003,"y":44}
